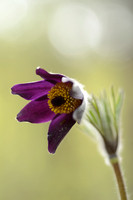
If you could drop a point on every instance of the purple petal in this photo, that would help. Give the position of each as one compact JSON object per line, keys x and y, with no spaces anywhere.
{"x":36,"y":111}
{"x":58,"y":128}
{"x":48,"y":76}
{"x":32,"y":90}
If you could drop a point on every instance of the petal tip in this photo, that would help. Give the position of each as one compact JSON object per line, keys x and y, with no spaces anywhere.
{"x":19,"y":117}
{"x":13,"y":90}
{"x":51,"y":149}
{"x":37,"y":70}
{"x":41,"y":72}
{"x":51,"y":152}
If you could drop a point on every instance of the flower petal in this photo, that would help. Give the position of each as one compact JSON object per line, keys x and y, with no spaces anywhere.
{"x":80,"y":111}
{"x":77,"y":88}
{"x":36,"y":111}
{"x":48,"y":76}
{"x":77,"y":92}
{"x":58,"y":128}
{"x":32,"y":90}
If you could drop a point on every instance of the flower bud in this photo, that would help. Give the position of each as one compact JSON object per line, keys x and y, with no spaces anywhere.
{"x":103,"y":117}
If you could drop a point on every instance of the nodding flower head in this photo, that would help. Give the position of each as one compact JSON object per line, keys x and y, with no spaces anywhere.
{"x":56,"y":98}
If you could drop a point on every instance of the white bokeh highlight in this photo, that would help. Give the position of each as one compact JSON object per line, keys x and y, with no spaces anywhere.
{"x":11,"y":13}
{"x":117,"y":36}
{"x":74,"y":29}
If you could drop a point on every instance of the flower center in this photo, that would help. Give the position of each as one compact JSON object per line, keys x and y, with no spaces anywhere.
{"x":60,"y":100}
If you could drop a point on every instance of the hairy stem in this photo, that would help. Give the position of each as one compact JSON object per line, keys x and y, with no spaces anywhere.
{"x":119,"y":178}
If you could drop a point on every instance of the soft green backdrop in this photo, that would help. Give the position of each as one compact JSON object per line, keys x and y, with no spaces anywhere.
{"x":32,"y":34}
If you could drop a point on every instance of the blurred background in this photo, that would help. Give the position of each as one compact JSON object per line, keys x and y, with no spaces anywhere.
{"x":91,"y":41}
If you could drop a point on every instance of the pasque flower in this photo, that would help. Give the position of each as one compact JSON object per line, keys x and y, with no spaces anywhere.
{"x":56,"y":98}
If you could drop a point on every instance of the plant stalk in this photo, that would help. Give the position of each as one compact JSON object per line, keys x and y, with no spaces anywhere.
{"x":119,"y":178}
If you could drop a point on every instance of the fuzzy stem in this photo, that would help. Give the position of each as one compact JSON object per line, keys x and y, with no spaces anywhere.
{"x":119,"y":177}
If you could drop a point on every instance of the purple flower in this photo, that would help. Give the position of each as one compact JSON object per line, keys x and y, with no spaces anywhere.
{"x":56,"y":98}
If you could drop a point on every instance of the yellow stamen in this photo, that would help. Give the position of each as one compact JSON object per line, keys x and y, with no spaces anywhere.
{"x":60,"y":100}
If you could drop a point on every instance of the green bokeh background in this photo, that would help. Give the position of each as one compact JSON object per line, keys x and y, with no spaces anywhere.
{"x":77,"y":171}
